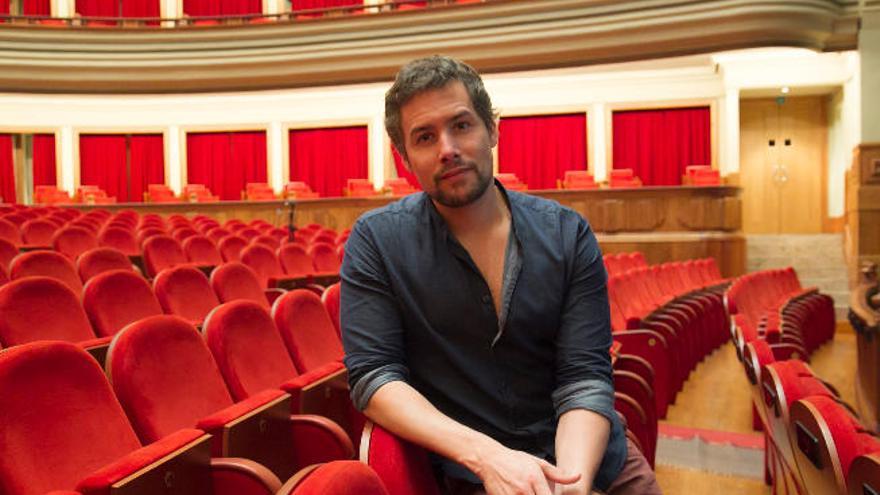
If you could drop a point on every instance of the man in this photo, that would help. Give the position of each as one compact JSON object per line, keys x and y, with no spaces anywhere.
{"x":475,"y":320}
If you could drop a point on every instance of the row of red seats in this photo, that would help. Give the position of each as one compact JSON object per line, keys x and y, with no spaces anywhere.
{"x":814,"y":442}
{"x":773,"y":305}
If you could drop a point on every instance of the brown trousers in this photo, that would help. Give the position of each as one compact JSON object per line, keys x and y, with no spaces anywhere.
{"x":636,"y":478}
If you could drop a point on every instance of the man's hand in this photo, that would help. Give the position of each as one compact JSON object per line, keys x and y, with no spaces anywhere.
{"x":511,"y":472}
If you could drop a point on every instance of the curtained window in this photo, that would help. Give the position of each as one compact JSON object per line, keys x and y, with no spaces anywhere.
{"x":122,"y":165}
{"x":44,"y":169}
{"x":402,"y":171}
{"x":322,"y":4}
{"x":4,"y":7}
{"x":141,"y":8}
{"x":225,"y":161}
{"x":36,"y":7}
{"x":7,"y":170}
{"x":326,"y":158}
{"x":540,"y":148}
{"x":226,"y":7}
{"x":118,"y":8}
{"x":659,"y":144}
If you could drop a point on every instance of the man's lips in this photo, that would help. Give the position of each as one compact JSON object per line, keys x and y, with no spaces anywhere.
{"x":454,"y":172}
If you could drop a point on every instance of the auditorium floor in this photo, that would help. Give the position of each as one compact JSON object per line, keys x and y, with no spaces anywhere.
{"x":716,"y":399}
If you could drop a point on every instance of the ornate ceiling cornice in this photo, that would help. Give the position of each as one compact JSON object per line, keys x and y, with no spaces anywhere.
{"x":500,"y":35}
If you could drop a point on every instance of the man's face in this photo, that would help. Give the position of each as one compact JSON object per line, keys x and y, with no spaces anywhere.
{"x":448,"y":147}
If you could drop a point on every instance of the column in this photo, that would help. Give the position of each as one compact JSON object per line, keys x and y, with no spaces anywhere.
{"x":174,"y":168}
{"x":67,"y":178}
{"x":596,"y":137}
{"x":728,"y":145}
{"x":378,"y":149}
{"x":275,"y":154}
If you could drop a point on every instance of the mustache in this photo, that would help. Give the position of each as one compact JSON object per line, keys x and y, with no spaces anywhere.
{"x":457,"y":164}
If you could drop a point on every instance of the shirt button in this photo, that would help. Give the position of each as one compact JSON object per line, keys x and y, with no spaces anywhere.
{"x":486,"y":298}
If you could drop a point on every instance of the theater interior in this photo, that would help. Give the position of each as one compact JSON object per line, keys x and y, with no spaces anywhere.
{"x":178,"y":179}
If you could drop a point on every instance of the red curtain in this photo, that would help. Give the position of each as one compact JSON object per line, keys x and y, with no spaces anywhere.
{"x":540,"y":148}
{"x":36,"y":7}
{"x":326,"y":158}
{"x":225,"y":161}
{"x":97,"y":8}
{"x":147,"y":166}
{"x":141,"y":8}
{"x":402,"y":171}
{"x":7,"y":170}
{"x":226,"y":7}
{"x":44,"y":160}
{"x":102,"y":163}
{"x":659,"y":144}
{"x":322,"y":4}
{"x":4,"y":7}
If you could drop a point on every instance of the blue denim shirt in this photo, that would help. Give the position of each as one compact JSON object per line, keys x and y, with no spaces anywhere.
{"x":416,"y":308}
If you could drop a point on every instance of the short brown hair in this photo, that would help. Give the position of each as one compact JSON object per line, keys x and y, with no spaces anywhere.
{"x":432,"y":73}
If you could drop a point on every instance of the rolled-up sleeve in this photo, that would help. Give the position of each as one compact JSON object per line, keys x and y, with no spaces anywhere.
{"x":583,"y":362}
{"x":372,"y":333}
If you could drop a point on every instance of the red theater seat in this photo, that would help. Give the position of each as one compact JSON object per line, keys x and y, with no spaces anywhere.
{"x":307,"y":331}
{"x":258,"y":192}
{"x":166,"y":378}
{"x":46,"y":264}
{"x":359,"y":188}
{"x":299,"y":190}
{"x":399,"y":187}
{"x":73,"y":241}
{"x":38,"y":232}
{"x":511,"y":182}
{"x":64,"y":430}
{"x":234,"y":281}
{"x":324,"y":257}
{"x":7,"y":252}
{"x":202,"y":251}
{"x":579,"y":180}
{"x":330,"y":298}
{"x":119,"y":238}
{"x":116,"y":298}
{"x":231,"y":247}
{"x":161,"y":252}
{"x":160,"y":193}
{"x":186,"y":292}
{"x":404,"y":468}
{"x":623,"y":177}
{"x":341,"y":478}
{"x":102,"y":259}
{"x":9,"y":232}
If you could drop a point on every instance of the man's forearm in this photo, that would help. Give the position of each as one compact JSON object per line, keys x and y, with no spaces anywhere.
{"x":402,"y":410}
{"x":581,"y":440}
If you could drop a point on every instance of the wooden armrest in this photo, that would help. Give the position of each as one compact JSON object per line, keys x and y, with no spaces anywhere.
{"x":229,"y":474}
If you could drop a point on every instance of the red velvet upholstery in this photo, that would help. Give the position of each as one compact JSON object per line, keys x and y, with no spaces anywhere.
{"x":295,"y":260}
{"x":217,"y":233}
{"x":7,"y":252}
{"x":38,"y":232}
{"x":330,"y":298}
{"x":164,"y":376}
{"x":41,"y":308}
{"x":202,"y":251}
{"x":231,"y":247}
{"x":403,"y":467}
{"x":73,"y":241}
{"x":233,"y":281}
{"x":100,"y":260}
{"x":307,"y":330}
{"x":119,"y":238}
{"x":161,"y":252}
{"x":183,"y":233}
{"x":342,"y":478}
{"x":9,"y":232}
{"x":324,"y":257}
{"x":262,"y":260}
{"x":46,"y":264}
{"x":116,"y":298}
{"x":186,"y":292}
{"x":60,"y":418}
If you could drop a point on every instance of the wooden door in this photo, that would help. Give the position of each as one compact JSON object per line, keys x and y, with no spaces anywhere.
{"x":782,"y":168}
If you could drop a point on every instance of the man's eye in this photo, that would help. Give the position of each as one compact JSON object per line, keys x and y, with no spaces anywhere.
{"x":423,"y":138}
{"x":463,"y":126}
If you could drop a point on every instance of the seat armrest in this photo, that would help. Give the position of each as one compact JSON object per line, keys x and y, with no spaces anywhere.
{"x":273,"y":294}
{"x":180,"y":460}
{"x":238,"y":476}
{"x":309,"y":390}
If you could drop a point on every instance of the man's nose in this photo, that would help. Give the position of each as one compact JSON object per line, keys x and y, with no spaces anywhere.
{"x":448,"y":147}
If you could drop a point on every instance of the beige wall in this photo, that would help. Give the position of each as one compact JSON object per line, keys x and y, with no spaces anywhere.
{"x":869,"y":50}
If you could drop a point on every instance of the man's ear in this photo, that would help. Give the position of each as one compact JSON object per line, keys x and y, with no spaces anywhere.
{"x":493,"y":135}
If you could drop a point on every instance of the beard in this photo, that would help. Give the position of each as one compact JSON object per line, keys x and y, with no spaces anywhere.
{"x":458,"y":199}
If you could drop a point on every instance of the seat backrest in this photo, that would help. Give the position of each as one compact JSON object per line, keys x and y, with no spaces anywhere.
{"x":100,"y":260}
{"x":164,"y":376}
{"x":404,"y":468}
{"x":73,"y":241}
{"x":247,"y":348}
{"x":235,"y":280}
{"x":181,"y":233}
{"x":186,"y":292}
{"x":217,"y":233}
{"x":161,"y":252}
{"x":202,"y":251}
{"x":231,"y":246}
{"x":38,"y":232}
{"x":324,"y":257}
{"x":9,"y":232}
{"x":263,"y":262}
{"x":330,"y":298}
{"x":7,"y":252}
{"x":119,"y":238}
{"x":307,"y":331}
{"x":295,"y":260}
{"x":46,"y":264}
{"x":116,"y":298}
{"x":60,"y":418}
{"x":341,"y":478}
{"x":41,"y":308}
